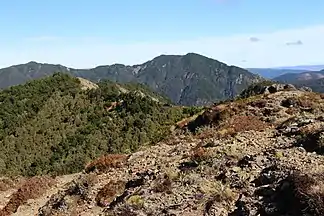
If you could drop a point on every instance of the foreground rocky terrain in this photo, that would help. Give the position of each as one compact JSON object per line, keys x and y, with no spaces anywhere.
{"x":259,"y":155}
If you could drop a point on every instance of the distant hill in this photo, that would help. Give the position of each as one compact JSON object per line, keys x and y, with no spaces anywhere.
{"x":271,"y":73}
{"x":304,"y":67}
{"x":190,"y":79}
{"x":297,"y":77}
{"x":316,"y":85}
{"x":312,"y":79}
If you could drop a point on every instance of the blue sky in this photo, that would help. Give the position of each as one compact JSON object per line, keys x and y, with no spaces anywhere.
{"x":83,"y":33}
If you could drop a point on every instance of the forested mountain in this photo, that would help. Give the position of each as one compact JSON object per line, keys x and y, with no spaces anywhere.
{"x":190,"y":79}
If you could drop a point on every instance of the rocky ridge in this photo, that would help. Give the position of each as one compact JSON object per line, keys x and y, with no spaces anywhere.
{"x":259,"y":155}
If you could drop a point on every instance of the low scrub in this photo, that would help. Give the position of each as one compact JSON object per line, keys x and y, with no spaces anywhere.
{"x":106,"y":162}
{"x":31,"y":189}
{"x":110,"y":192}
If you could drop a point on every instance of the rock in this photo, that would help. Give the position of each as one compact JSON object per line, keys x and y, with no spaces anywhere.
{"x":265,"y":191}
{"x":289,"y":102}
{"x":245,"y":161}
{"x":289,"y":87}
{"x":277,"y":87}
{"x":301,"y":149}
{"x":306,"y":89}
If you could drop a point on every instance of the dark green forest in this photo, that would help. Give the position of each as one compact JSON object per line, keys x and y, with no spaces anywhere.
{"x":51,"y":126}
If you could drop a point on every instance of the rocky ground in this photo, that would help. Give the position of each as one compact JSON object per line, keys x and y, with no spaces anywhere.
{"x":260,"y":155}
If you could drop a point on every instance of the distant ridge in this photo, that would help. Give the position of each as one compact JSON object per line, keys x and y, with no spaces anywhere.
{"x":190,"y":79}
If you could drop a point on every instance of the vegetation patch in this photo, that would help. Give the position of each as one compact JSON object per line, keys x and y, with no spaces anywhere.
{"x":297,"y":194}
{"x":31,"y":189}
{"x":106,"y":162}
{"x":53,"y":126}
{"x":135,"y":201}
{"x":312,"y":141}
{"x":217,"y":190}
{"x":110,"y":192}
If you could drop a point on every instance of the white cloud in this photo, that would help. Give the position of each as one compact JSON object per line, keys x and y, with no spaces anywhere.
{"x":270,"y":51}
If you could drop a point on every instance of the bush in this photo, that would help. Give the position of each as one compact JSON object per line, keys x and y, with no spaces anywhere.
{"x":107,"y":161}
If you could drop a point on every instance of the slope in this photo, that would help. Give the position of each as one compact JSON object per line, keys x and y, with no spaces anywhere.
{"x":261,"y":155}
{"x":314,"y":80}
{"x":55,"y":125}
{"x":193,"y":79}
{"x":300,"y":77}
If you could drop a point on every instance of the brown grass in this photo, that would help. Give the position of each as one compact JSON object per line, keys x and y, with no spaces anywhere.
{"x":7,"y":183}
{"x":163,"y":184}
{"x":309,"y":193}
{"x":311,"y":100}
{"x":246,"y":123}
{"x":233,"y":126}
{"x":292,"y":111}
{"x":198,"y":154}
{"x":31,"y":189}
{"x":110,"y":192}
{"x":106,"y":162}
{"x":322,"y":95}
{"x":258,"y":103}
{"x":206,"y":133}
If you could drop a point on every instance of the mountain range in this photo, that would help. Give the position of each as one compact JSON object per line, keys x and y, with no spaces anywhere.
{"x":190,"y":79}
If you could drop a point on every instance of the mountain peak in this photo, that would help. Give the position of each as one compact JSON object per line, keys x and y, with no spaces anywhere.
{"x":33,"y":63}
{"x":194,"y":54}
{"x":190,"y":79}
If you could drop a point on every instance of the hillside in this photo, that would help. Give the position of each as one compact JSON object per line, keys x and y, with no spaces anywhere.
{"x":271,"y":73}
{"x":191,"y":79}
{"x":261,"y":155}
{"x":57,"y":124}
{"x":314,"y":80}
{"x":304,"y":67}
{"x":316,"y":85}
{"x":300,"y":77}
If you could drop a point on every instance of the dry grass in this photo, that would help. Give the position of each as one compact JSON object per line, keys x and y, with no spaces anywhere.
{"x":259,"y":103}
{"x":198,"y":154}
{"x":232,"y":126}
{"x":247,"y":123}
{"x":31,"y":189}
{"x":309,"y":193}
{"x":310,"y":100}
{"x":206,"y":133}
{"x":106,"y":162}
{"x":292,"y":111}
{"x":110,"y":192}
{"x":163,"y":184}
{"x":322,"y":95}
{"x":217,"y":190}
{"x":6,"y":183}
{"x":135,"y":201}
